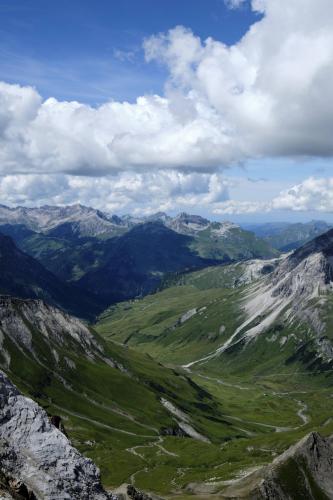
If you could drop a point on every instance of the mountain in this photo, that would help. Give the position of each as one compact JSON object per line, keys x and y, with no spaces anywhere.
{"x":262,"y":303}
{"x":297,"y":294}
{"x":113,"y":403}
{"x":73,"y":220}
{"x":197,"y":389}
{"x":266,"y":229}
{"x":186,"y":224}
{"x":221,"y":240}
{"x":138,"y":260}
{"x":286,"y":237}
{"x":217,"y":240}
{"x":78,"y":243}
{"x":25,"y":277}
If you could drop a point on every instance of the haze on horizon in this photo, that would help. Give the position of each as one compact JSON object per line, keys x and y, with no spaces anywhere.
{"x":217,"y":108}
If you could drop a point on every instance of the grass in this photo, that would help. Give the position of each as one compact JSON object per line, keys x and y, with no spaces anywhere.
{"x":153,"y":324}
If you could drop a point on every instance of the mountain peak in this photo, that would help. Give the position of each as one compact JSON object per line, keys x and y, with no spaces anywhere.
{"x":188,"y":218}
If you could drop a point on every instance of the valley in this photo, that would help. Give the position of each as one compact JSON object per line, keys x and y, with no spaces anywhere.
{"x":272,"y":389}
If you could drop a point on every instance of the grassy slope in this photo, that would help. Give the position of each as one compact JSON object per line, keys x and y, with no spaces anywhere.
{"x":152,"y":325}
{"x":236,"y":245}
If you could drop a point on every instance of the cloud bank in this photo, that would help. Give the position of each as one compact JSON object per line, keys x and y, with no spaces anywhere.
{"x":138,"y":192}
{"x":144,"y":193}
{"x":268,"y":95}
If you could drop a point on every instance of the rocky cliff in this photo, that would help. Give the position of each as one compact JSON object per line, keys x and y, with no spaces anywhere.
{"x":36,"y":459}
{"x":304,"y":471}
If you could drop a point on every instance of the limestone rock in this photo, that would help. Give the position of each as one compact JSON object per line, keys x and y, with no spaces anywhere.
{"x":37,"y":457}
{"x":304,"y":471}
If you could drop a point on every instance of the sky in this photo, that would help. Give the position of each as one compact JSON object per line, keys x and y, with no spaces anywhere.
{"x":217,"y":107}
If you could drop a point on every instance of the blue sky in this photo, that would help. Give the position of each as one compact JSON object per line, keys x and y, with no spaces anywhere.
{"x":240,"y":127}
{"x":92,"y":51}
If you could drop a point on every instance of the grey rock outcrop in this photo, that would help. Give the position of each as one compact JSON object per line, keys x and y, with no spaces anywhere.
{"x":304,"y":471}
{"x":34,"y":453}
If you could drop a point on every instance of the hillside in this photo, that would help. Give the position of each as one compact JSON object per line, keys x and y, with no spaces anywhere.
{"x":137,"y":262}
{"x":23,"y":276}
{"x":239,"y":309}
{"x":217,"y":240}
{"x":245,"y":374}
{"x":37,"y":459}
{"x":118,"y":258}
{"x":303,"y":471}
{"x":164,"y":430}
{"x":258,"y":336}
{"x":112,"y":401}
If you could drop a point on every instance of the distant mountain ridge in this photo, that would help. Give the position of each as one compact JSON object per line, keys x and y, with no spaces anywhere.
{"x":86,"y":221}
{"x":286,"y":236}
{"x":119,"y":258}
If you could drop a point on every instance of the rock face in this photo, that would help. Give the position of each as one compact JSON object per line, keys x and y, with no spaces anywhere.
{"x":295,"y":291}
{"x":37,"y":456}
{"x":28,"y":323}
{"x":303,"y":472}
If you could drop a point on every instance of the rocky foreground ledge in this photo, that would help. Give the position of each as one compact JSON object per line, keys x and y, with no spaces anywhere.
{"x":37,"y":460}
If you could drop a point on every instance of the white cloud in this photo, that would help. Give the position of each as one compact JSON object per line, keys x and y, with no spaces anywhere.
{"x":269,"y":94}
{"x":144,"y":192}
{"x":272,"y":89}
{"x":315,"y":194}
{"x":163,"y":190}
{"x":233,"y":207}
{"x":69,"y":137}
{"x":234,"y":4}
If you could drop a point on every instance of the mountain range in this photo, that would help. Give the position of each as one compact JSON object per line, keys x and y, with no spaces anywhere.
{"x":286,"y":236}
{"x":117,"y":258}
{"x":206,"y":376}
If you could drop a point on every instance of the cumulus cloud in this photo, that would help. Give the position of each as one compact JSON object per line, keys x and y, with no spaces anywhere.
{"x":139,"y":192}
{"x":272,"y":89}
{"x":315,"y":194}
{"x":162,"y":190}
{"x":267,"y":95}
